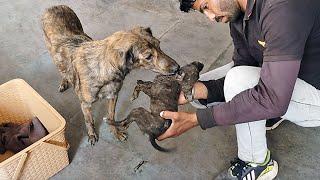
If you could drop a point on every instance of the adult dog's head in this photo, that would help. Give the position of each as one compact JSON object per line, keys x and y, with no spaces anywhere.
{"x":139,"y":49}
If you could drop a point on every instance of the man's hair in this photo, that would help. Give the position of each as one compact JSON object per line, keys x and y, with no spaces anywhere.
{"x":186,"y":5}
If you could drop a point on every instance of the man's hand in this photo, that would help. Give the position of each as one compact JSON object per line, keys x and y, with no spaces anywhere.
{"x":181,"y":122}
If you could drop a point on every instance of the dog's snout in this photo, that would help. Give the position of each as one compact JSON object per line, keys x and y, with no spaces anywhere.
{"x":176,"y":68}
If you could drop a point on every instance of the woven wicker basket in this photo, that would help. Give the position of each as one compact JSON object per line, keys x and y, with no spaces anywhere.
{"x":18,"y":103}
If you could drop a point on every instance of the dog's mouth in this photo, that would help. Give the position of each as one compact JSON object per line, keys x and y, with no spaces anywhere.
{"x":172,"y":72}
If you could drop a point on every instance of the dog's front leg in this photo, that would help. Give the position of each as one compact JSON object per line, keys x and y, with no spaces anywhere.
{"x":111,"y":106}
{"x":87,"y":112}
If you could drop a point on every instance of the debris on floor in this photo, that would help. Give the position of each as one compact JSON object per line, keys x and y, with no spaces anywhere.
{"x":137,"y":168}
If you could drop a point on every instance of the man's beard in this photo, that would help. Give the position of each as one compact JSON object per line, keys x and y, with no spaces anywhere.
{"x":233,"y":9}
{"x":235,"y":15}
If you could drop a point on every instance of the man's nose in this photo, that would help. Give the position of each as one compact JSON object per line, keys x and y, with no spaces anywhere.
{"x":210,"y":15}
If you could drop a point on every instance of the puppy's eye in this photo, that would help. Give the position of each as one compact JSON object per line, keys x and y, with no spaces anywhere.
{"x":150,"y":57}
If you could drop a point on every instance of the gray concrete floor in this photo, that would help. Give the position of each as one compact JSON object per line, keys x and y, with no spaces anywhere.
{"x":185,"y":37}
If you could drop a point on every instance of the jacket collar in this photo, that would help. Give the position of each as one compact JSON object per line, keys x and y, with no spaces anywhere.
{"x":249,"y":9}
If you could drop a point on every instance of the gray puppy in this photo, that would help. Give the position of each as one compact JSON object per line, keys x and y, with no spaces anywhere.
{"x":164,"y":92}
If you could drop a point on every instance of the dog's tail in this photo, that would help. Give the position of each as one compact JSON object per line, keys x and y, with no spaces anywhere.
{"x":60,"y":21}
{"x":157,"y":147}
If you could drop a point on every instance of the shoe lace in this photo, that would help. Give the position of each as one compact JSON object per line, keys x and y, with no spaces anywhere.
{"x":237,"y":167}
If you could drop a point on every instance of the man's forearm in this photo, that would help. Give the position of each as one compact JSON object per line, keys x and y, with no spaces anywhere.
{"x":200,"y":91}
{"x":268,"y":99}
{"x":209,"y":91}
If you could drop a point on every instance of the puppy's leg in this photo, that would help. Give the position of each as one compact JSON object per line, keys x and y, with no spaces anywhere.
{"x":111,"y":106}
{"x":123,"y":124}
{"x":144,"y":86}
{"x":87,"y":112}
{"x":64,"y":85}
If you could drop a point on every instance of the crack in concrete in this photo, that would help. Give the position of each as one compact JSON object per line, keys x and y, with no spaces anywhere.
{"x":220,"y":57}
{"x":170,"y":28}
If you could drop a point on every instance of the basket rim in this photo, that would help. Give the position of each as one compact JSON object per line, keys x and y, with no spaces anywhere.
{"x":44,"y":103}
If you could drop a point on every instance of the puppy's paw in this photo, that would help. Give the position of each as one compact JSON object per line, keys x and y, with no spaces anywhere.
{"x":120,"y":135}
{"x":133,"y":98}
{"x":188,"y":97}
{"x":105,"y":119}
{"x":92,"y":139}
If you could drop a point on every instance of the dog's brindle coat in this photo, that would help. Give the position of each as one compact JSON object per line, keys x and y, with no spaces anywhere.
{"x":96,"y":69}
{"x":164,"y":92}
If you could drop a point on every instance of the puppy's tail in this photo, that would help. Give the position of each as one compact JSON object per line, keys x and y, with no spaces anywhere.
{"x":157,"y":147}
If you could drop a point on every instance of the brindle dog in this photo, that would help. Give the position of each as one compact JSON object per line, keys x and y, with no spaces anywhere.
{"x":96,"y":69}
{"x":164,"y":92}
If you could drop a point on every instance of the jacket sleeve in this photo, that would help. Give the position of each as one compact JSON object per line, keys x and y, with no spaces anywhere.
{"x":268,"y":99}
{"x":215,"y":91}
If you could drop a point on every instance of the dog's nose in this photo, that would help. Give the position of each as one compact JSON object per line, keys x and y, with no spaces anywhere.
{"x":175,"y":68}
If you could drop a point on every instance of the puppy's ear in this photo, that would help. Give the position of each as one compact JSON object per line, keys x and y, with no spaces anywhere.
{"x":199,"y":65}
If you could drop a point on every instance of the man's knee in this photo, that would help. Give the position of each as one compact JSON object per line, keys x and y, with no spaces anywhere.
{"x":239,"y":79}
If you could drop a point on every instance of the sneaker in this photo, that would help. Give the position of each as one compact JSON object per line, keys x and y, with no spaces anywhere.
{"x":273,"y":123}
{"x":241,"y":170}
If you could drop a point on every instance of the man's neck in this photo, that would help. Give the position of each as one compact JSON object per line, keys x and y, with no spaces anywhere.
{"x":243,"y":5}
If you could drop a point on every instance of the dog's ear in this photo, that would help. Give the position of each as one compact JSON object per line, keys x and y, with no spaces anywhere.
{"x":198,"y":64}
{"x":142,"y":31}
{"x":146,"y":33}
{"x":127,"y":55}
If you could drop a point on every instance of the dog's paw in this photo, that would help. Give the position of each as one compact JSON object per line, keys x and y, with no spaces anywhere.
{"x":92,"y":139}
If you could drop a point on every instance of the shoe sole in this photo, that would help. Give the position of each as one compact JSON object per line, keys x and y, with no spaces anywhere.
{"x":275,"y":125}
{"x":272,"y":174}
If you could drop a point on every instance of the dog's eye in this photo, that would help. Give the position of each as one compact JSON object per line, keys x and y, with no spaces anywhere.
{"x":150,"y":57}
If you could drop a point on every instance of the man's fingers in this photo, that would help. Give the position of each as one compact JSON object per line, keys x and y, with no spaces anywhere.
{"x":163,"y":136}
{"x":167,"y":134}
{"x":168,"y":115}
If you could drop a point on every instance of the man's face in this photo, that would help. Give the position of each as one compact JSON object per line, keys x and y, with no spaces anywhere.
{"x":219,"y":10}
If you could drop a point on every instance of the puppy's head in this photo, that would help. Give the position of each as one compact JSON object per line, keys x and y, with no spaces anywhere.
{"x":188,"y":75}
{"x":145,"y":53}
